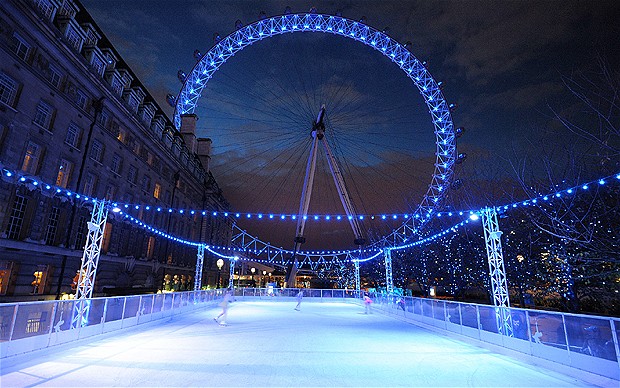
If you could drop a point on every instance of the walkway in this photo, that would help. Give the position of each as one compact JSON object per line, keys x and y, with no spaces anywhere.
{"x":271,"y":345}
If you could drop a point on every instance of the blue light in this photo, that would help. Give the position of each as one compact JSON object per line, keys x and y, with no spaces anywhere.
{"x":601,"y":182}
{"x":260,"y":216}
{"x":545,"y":198}
{"x":282,"y":217}
{"x":48,"y":187}
{"x":569,"y":191}
{"x":585,"y":187}
{"x":383,"y":217}
{"x":226,"y":214}
{"x":237,"y":215}
{"x":8,"y":173}
{"x":22,"y":179}
{"x":338,"y":218}
{"x":248,"y":215}
{"x":271,"y":216}
{"x":474,"y":217}
{"x":316,"y":217}
{"x":558,"y":195}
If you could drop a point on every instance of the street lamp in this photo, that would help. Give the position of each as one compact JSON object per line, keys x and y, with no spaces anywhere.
{"x":253,"y":270}
{"x":264,"y":273}
{"x":220,"y":264}
{"x":520,"y":259}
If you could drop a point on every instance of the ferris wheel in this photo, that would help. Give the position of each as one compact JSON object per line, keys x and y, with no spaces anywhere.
{"x":383,"y":139}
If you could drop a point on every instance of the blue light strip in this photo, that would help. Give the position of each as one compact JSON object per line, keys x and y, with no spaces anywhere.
{"x":17,"y":177}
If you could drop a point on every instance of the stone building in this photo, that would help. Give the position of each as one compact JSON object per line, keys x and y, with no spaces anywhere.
{"x":75,"y":117}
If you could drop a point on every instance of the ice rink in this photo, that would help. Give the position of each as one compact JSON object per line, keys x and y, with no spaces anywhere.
{"x":270,"y":344}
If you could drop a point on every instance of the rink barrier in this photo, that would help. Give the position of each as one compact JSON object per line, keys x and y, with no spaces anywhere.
{"x":579,"y":341}
{"x":584,"y":342}
{"x":29,"y":326}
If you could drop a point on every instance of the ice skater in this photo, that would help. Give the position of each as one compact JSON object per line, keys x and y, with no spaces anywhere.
{"x":367,"y":304}
{"x":300,"y":296}
{"x":224,"y":305}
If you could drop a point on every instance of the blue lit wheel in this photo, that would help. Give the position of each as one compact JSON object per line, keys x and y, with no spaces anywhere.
{"x":259,"y":109}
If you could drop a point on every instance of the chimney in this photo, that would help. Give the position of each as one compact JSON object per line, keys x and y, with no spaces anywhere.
{"x":204,"y":152}
{"x":188,"y":131}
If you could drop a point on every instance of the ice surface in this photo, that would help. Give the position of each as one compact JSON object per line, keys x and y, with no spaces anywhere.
{"x":268,"y":344}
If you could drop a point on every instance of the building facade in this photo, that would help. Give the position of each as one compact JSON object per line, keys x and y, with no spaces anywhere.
{"x":75,"y":117}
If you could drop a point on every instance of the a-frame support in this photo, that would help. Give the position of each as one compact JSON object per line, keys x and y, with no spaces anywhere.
{"x":90,"y":260}
{"x":499,"y":285}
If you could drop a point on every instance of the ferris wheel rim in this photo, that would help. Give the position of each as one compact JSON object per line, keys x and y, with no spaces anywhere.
{"x":195,"y":82}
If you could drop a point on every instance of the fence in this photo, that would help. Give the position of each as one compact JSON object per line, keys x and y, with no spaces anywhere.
{"x":583,"y":342}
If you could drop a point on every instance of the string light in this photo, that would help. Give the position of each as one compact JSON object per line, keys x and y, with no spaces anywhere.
{"x":372,"y":251}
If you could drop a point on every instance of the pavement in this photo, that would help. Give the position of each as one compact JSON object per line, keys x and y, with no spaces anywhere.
{"x":267,"y":344}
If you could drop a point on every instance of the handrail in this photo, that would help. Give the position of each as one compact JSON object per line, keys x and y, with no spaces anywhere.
{"x":585,"y":342}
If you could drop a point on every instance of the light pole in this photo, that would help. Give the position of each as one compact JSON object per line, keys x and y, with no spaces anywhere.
{"x":253,"y":270}
{"x":220,"y":264}
{"x":265,"y":283}
{"x":521,"y":259}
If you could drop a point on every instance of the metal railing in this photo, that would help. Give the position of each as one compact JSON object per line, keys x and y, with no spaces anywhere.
{"x":585,"y":342}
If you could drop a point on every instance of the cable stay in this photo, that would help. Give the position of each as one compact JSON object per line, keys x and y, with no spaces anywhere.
{"x":318,"y":135}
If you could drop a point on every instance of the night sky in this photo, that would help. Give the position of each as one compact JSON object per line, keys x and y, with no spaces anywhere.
{"x":501,"y":62}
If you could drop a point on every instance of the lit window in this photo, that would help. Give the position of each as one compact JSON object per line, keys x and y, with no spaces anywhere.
{"x":157,"y":191}
{"x":65,"y":168}
{"x":121,"y":135}
{"x":5,"y":276}
{"x":43,"y":116}
{"x":31,"y":158}
{"x":74,"y":135}
{"x":96,"y":151}
{"x":90,"y":182}
{"x":8,"y":90}
{"x":150,"y":248}
{"x":20,"y":46}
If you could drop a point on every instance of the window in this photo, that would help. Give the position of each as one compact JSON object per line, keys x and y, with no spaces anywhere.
{"x":74,"y":135}
{"x":117,"y":86}
{"x":96,"y":151}
{"x":43,"y":115}
{"x":117,"y":163}
{"x":8,"y":90}
{"x":122,"y":135}
{"x":6,"y":268}
{"x":90,"y":182}
{"x":32,"y":158}
{"x":131,"y":174}
{"x":17,"y":217}
{"x":146,"y":183}
{"x":20,"y":46}
{"x":52,"y":226}
{"x":80,"y":236}
{"x":102,"y":119}
{"x":46,"y":8}
{"x":34,"y":324}
{"x":98,"y":65}
{"x":80,"y":99}
{"x":157,"y":191}
{"x":73,"y":37}
{"x":65,"y":168}
{"x":110,"y":192}
{"x":54,"y":76}
{"x":150,"y":248}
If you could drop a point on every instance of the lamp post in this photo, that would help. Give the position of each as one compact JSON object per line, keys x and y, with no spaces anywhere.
{"x":265,"y":283}
{"x":253,"y":270}
{"x":521,"y":259}
{"x":220,"y":264}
